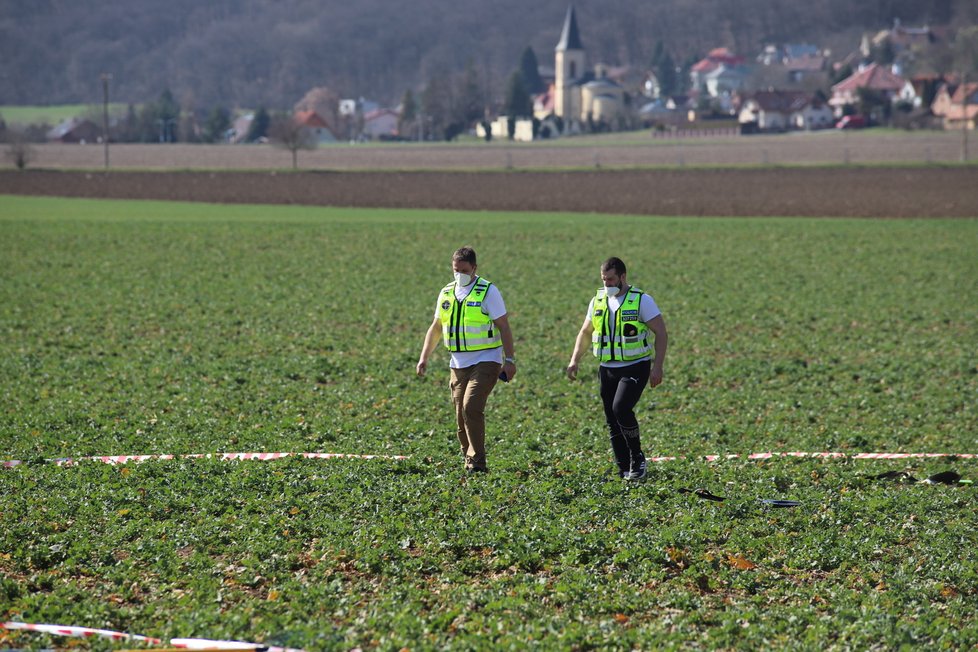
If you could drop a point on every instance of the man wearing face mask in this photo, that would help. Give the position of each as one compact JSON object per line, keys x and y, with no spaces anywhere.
{"x":471,"y":318}
{"x":618,"y":322}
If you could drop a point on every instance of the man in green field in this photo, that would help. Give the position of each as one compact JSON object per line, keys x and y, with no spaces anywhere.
{"x":618,"y":322}
{"x":471,"y":316}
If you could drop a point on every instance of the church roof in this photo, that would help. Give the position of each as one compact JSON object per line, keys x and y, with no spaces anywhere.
{"x":570,"y":38}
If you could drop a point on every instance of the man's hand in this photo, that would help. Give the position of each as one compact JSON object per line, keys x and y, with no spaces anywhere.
{"x":655,"y":376}
{"x":509,"y":369}
{"x":422,"y":367}
{"x":572,"y":371}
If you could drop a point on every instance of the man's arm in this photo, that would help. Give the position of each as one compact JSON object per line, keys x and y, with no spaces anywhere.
{"x":430,"y":344}
{"x":506,"y":335}
{"x":658,"y":326}
{"x":580,"y":346}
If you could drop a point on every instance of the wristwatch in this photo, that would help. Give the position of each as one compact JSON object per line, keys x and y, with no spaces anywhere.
{"x":510,"y":360}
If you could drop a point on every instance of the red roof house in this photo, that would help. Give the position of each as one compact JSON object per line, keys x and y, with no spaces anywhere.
{"x":324,"y":132}
{"x":873,"y":76}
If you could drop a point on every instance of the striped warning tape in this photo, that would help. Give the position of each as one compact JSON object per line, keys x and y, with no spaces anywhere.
{"x":125,"y":459}
{"x":853,"y":456}
{"x":178,"y":643}
{"x":84,"y":632}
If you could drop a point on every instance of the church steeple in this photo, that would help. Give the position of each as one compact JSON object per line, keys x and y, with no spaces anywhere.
{"x":570,"y":39}
{"x":569,"y":61}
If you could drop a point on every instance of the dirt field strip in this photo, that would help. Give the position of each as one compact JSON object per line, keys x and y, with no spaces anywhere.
{"x":885,"y":192}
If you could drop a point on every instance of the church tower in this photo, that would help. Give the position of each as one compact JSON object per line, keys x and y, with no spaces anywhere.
{"x":569,"y":67}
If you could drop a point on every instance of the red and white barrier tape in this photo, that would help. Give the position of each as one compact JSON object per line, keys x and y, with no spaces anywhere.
{"x":183,"y":643}
{"x":84,"y":632}
{"x":124,"y":459}
{"x":853,"y":456}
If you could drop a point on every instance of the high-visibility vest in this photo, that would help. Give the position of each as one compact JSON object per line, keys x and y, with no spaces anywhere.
{"x":464,"y":325}
{"x":626,"y":337}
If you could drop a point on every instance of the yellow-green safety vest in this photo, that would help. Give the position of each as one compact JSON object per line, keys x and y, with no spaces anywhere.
{"x":464,"y":324}
{"x":626,"y":337}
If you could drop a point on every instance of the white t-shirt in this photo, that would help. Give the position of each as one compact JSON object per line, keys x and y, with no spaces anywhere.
{"x":647,"y":309}
{"x":493,"y":306}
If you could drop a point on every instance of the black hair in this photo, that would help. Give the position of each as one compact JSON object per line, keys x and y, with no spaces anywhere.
{"x":613,"y":264}
{"x":464,"y":254}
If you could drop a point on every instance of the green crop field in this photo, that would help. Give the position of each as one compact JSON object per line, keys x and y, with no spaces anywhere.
{"x":166,"y":328}
{"x":52,"y":115}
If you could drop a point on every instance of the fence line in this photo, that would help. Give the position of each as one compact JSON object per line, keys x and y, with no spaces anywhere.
{"x":712,"y":132}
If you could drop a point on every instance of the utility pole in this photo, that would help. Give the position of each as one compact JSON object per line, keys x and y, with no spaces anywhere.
{"x":105,"y":77}
{"x":964,"y":116}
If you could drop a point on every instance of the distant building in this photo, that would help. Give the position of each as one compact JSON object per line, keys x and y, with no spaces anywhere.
{"x":499,"y":129}
{"x":900,"y":46}
{"x":804,"y":66}
{"x":315,"y":122}
{"x":661,"y":113}
{"x":75,"y":130}
{"x":380,"y":123}
{"x":720,"y":73}
{"x":543,"y":104}
{"x":957,"y":107}
{"x":581,"y":97}
{"x":874,"y":77}
{"x":902,"y":38}
{"x":767,"y":111}
{"x":238,"y":133}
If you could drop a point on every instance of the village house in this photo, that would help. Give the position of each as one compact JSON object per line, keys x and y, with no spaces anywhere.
{"x":720,"y":73}
{"x":772,"y":111}
{"x":75,"y":130}
{"x":543,"y":104}
{"x":800,"y":68}
{"x":499,"y":129}
{"x":957,"y":108}
{"x":380,"y":124}
{"x":903,"y":43}
{"x":319,"y":127}
{"x":874,"y":77}
{"x":240,"y":126}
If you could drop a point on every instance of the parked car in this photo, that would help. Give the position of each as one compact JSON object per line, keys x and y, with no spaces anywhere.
{"x":851,"y":122}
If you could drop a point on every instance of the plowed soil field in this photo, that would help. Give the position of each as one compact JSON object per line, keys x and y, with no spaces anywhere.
{"x":821,"y":192}
{"x":855,"y":176}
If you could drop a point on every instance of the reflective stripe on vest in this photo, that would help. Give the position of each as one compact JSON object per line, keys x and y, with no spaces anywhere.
{"x":464,"y":325}
{"x":626,"y":337}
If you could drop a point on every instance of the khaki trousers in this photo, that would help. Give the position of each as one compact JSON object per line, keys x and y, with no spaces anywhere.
{"x":471,"y":387}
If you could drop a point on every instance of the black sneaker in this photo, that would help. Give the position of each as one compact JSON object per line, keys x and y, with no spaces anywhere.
{"x":638,"y":472}
{"x":473,"y":470}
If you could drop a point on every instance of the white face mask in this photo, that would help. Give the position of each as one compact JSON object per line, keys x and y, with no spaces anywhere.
{"x":463,"y":279}
{"x":612,"y":291}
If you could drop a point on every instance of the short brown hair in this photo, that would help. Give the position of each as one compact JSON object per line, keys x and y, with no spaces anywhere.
{"x":464,"y":255}
{"x":613,"y":264}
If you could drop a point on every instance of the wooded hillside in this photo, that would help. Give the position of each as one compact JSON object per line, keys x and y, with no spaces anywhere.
{"x":258,"y":52}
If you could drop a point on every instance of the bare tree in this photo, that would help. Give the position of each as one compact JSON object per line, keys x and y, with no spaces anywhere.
{"x":286,"y":133}
{"x":19,"y":149}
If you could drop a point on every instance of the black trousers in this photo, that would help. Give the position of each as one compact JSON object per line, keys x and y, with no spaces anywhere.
{"x":621,"y":388}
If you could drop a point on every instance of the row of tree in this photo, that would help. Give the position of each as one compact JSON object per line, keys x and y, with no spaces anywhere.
{"x":164,"y":121}
{"x":160,"y":121}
